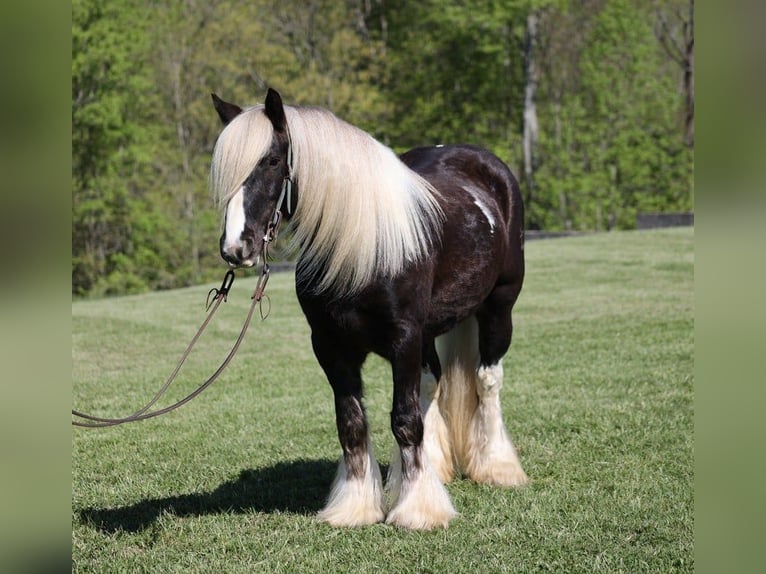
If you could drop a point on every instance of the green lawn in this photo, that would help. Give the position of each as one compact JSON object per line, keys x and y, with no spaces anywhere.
{"x":598,"y":398}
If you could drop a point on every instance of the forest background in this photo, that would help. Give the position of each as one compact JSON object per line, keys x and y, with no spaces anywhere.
{"x":590,"y":102}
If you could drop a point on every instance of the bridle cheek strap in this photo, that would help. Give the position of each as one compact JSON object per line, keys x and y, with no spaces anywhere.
{"x":287,"y":188}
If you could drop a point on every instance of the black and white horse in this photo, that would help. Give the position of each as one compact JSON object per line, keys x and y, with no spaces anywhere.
{"x":418,"y":258}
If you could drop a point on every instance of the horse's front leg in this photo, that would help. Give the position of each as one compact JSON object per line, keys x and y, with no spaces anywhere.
{"x":418,"y":497}
{"x":356,"y":498}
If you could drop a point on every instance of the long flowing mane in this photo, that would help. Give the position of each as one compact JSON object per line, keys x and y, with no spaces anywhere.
{"x":361,"y":212}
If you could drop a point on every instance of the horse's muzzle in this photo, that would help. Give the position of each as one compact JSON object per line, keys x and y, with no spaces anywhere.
{"x":239,"y":254}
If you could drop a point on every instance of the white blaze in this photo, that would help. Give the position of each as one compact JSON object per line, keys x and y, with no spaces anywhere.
{"x":235,"y":220}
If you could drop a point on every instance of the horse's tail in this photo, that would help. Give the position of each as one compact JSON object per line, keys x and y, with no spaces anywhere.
{"x":458,"y":352}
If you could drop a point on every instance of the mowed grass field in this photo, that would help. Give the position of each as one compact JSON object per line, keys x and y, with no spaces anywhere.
{"x":598,"y":398}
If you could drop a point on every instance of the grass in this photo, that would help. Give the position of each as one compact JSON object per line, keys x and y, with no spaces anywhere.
{"x":598,"y":398}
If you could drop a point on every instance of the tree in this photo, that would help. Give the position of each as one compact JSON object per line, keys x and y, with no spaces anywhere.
{"x":675,"y":31}
{"x":611,"y":147}
{"x":109,"y":96}
{"x":453,"y":73}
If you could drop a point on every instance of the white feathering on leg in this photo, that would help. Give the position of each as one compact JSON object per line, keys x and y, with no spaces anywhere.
{"x":420,"y":502}
{"x":355,"y":501}
{"x":492,"y":457}
{"x":436,"y":440}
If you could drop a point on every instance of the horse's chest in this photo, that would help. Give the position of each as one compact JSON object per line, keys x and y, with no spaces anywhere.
{"x":368,"y":324}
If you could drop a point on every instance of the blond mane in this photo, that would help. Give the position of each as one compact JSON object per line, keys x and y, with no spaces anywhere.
{"x":361,"y":212}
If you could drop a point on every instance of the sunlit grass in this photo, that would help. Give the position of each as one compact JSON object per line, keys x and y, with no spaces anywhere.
{"x":598,"y":398}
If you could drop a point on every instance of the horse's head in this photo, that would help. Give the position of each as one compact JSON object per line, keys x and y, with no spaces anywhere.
{"x":263,"y":193}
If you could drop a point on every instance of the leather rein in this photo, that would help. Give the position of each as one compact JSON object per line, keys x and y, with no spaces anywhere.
{"x":218,"y":295}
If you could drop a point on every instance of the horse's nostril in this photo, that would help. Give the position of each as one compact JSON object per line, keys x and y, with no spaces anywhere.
{"x":228,"y":258}
{"x":234,"y":257}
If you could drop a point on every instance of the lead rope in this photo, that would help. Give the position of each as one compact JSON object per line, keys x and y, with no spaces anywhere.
{"x":219,"y":295}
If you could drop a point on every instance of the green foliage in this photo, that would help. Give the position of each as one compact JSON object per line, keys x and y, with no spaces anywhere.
{"x":612,"y":143}
{"x":609,"y":104}
{"x":454,"y":73}
{"x":112,"y":139}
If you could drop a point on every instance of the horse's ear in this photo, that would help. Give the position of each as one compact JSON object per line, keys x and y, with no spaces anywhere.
{"x":226,"y":111}
{"x":275,"y":111}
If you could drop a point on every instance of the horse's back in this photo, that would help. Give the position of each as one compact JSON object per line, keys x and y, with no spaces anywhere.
{"x":479,"y":194}
{"x":481,"y":246}
{"x":457,"y":169}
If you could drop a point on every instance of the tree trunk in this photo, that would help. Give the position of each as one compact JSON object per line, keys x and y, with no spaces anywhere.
{"x":185,"y":183}
{"x":531,"y":131}
{"x":681,"y":50}
{"x":689,"y":75}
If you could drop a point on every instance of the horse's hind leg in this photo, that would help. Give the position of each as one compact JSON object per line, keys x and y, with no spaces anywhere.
{"x":356,"y":497}
{"x":418,"y":497}
{"x":492,"y":457}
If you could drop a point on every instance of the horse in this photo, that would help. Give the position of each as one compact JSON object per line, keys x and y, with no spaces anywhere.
{"x":417,"y":258}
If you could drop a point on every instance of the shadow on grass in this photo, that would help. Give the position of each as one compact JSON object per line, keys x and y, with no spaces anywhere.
{"x":299,"y":487}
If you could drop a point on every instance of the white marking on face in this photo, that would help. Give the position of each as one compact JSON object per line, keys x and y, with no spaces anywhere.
{"x":475,"y":193}
{"x":235,"y":220}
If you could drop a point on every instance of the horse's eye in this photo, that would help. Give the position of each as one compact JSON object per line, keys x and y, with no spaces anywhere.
{"x":274,"y":161}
